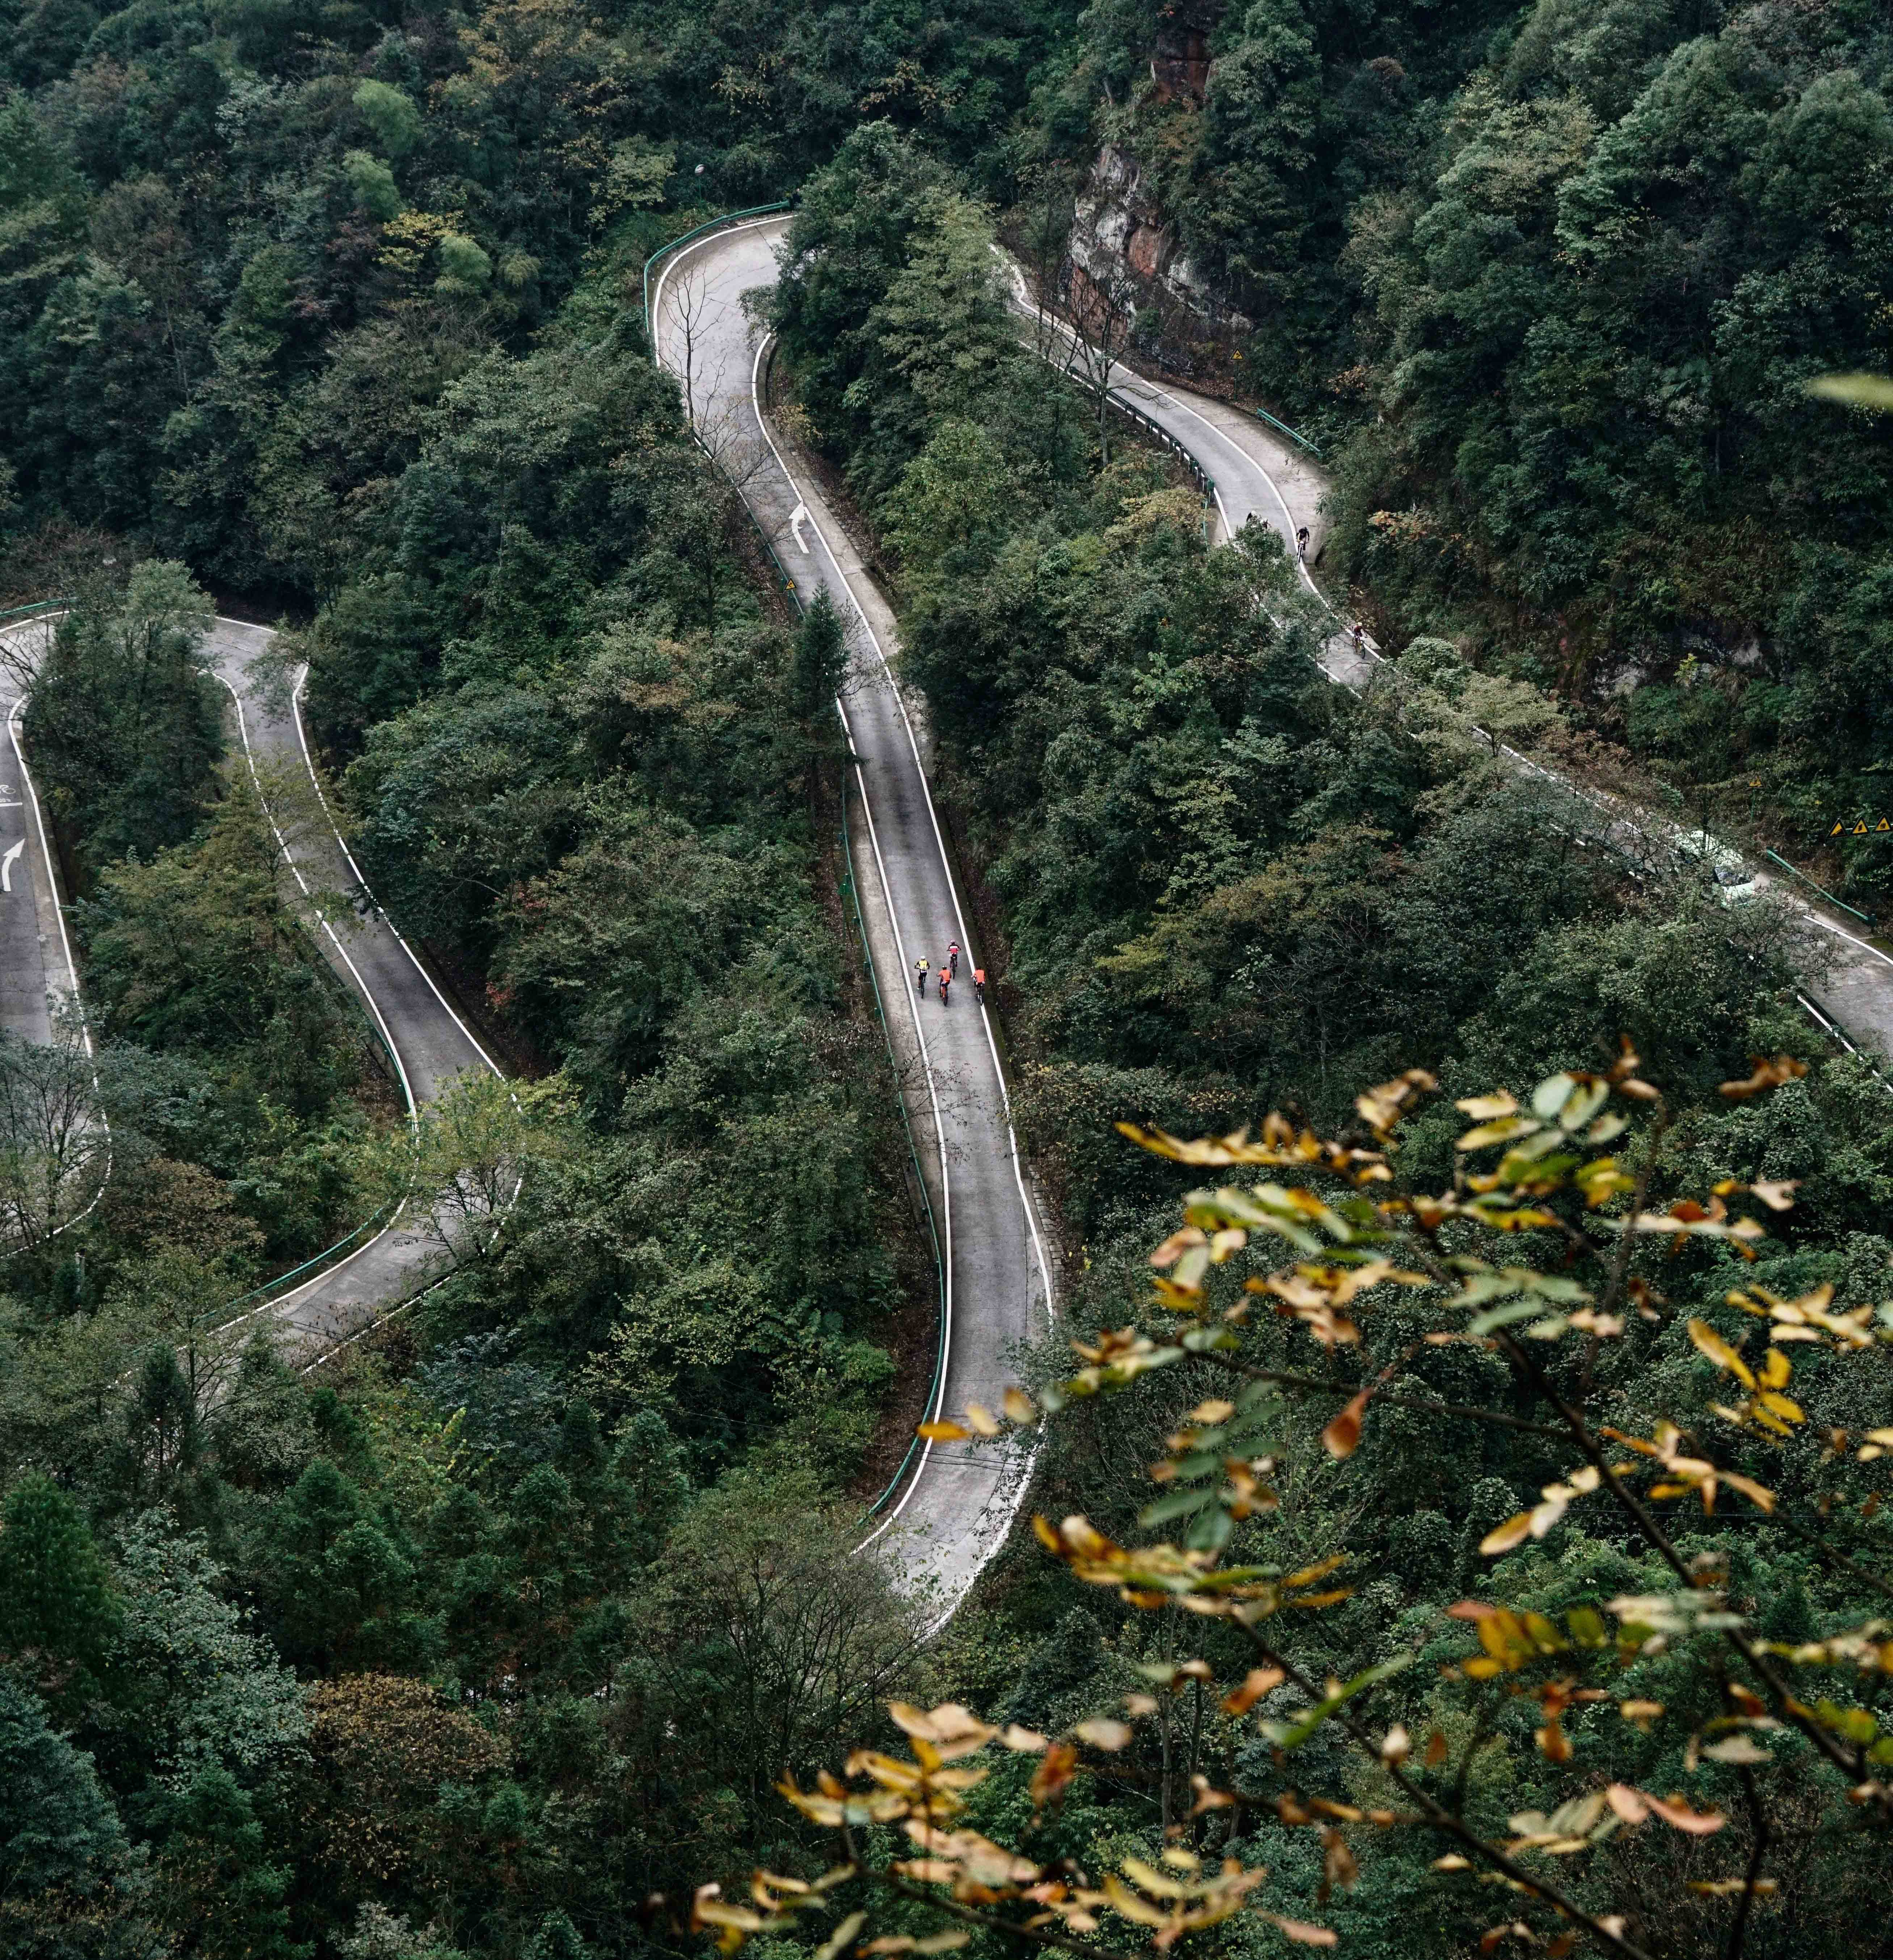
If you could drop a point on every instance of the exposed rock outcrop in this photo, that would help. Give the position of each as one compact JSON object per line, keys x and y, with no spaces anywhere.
{"x":1180,"y":61}
{"x":1125,"y":257}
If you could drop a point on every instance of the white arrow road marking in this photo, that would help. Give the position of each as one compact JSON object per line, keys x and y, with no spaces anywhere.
{"x":6,"y":866}
{"x":797,"y":518}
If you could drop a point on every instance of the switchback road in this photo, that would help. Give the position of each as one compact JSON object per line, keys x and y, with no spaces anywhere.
{"x":1259,"y":474}
{"x":955,"y":1509}
{"x":428,"y":1041}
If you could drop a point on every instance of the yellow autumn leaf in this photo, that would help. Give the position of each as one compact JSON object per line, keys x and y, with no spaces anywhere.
{"x":1483,"y":1108}
{"x":1861,"y":391}
{"x":1342,"y":1434}
{"x":1710,"y":1344}
{"x":1502,"y":1538}
{"x":1301,"y":1931}
{"x":1104,"y":1732}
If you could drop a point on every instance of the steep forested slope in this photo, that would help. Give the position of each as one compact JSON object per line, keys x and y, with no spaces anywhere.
{"x":492,"y":1640}
{"x":335,"y":314}
{"x":246,"y":248}
{"x":1551,"y":279}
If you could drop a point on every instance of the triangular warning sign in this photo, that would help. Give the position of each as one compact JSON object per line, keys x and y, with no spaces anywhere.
{"x":1838,"y":828}
{"x":1883,"y":824}
{"x":1859,"y":829}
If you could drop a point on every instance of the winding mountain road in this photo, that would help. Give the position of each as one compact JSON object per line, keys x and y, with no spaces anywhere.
{"x":429,"y":1043}
{"x":961,"y":1500}
{"x":958,"y":1503}
{"x":1848,"y":982}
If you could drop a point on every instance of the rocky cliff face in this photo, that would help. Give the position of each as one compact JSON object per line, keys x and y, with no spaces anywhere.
{"x":1124,"y":247}
{"x":1180,"y":60}
{"x":1125,"y":255}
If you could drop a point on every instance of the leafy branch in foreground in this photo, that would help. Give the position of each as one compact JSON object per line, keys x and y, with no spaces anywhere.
{"x":1543,"y":1251}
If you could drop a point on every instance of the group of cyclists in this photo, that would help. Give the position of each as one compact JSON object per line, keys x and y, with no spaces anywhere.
{"x":949,"y":972}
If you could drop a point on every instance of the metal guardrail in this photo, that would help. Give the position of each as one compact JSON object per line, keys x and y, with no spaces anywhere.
{"x":308,"y":1265}
{"x":1853,"y":912}
{"x":698,"y":232}
{"x":1282,"y":428}
{"x":1205,"y":483}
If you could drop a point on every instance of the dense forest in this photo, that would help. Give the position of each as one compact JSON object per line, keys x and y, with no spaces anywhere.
{"x":1550,"y":281}
{"x":493,"y":1636}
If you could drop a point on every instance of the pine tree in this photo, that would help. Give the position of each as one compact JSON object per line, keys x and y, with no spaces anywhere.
{"x":55,"y":1597}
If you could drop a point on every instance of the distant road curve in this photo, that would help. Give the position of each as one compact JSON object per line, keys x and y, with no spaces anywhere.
{"x":430,"y":1042}
{"x":958,"y":1505}
{"x":1256,"y":474}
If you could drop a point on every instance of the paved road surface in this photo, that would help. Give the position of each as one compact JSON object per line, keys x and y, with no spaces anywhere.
{"x":1260,"y":475}
{"x":956,"y":1509}
{"x":431,"y":1042}
{"x":35,"y":966}
{"x":959,"y":1503}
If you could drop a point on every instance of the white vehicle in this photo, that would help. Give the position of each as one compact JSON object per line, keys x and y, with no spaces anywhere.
{"x":1734,"y":882}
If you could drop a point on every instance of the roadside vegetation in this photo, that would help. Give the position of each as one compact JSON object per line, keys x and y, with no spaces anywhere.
{"x":1550,"y":282}
{"x":490,"y":1639}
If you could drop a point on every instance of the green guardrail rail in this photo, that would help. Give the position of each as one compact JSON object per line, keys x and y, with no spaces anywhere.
{"x":1853,"y":911}
{"x":708,"y":225}
{"x":1282,"y":428}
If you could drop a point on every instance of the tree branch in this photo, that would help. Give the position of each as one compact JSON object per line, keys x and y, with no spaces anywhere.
{"x":1823,"y":1550}
{"x":1739,"y":1931}
{"x":1313,"y":1385}
{"x":1441,"y":1819}
{"x":1849,"y":1764}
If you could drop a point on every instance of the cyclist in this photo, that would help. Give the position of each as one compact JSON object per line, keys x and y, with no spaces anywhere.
{"x":952,"y":958}
{"x":920,"y":977}
{"x":979,"y":984}
{"x":1301,"y":542}
{"x":946,"y":980}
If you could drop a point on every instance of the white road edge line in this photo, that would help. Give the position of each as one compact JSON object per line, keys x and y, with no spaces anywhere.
{"x":52,"y":881}
{"x":282,"y":844}
{"x":32,"y":799}
{"x":1032,"y":1222}
{"x":295,"y":704}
